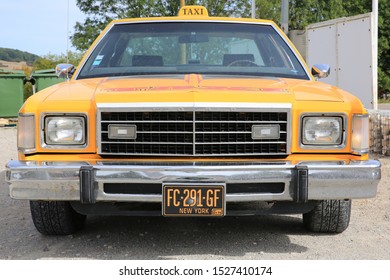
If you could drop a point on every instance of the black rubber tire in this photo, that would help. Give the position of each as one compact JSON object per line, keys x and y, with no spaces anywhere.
{"x":56,"y":217}
{"x":329,"y":216}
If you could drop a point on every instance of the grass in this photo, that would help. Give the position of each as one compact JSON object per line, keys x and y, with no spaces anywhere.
{"x":383,"y":100}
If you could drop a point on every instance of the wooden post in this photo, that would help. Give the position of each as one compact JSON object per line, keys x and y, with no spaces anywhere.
{"x":284,"y":19}
{"x":183,"y":46}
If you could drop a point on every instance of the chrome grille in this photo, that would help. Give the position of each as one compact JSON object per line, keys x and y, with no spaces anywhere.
{"x":194,"y":133}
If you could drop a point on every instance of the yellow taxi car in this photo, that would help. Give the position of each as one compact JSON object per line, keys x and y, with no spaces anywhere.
{"x":192,"y":116}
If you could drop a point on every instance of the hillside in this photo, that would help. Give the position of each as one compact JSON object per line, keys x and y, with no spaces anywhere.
{"x":13,"y":55}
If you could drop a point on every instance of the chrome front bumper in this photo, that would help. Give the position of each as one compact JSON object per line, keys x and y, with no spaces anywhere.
{"x":77,"y":181}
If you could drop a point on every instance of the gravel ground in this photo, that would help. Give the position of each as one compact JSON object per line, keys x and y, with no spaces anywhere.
{"x":263,"y":237}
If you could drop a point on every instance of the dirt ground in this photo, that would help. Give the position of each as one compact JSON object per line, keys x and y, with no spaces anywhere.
{"x":263,"y":237}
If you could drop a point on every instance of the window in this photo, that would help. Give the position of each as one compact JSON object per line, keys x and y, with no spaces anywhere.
{"x":192,"y":47}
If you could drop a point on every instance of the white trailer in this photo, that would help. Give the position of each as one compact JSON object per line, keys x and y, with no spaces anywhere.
{"x":348,"y":45}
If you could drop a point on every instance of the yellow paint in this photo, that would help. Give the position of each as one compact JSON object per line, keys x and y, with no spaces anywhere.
{"x":193,"y":11}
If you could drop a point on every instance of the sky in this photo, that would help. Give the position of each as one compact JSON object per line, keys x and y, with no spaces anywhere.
{"x":39,"y":26}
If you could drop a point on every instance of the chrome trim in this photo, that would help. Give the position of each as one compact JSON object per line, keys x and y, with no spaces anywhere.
{"x":326,"y":179}
{"x":63,"y":147}
{"x":27,"y":151}
{"x":185,"y":106}
{"x":320,"y":71}
{"x":64,"y":70}
{"x":47,"y":139}
{"x":324,"y":147}
{"x":194,"y":133}
{"x":210,"y":20}
{"x":194,"y":107}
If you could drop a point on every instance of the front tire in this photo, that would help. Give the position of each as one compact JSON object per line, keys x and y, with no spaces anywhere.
{"x":328,"y":216}
{"x":56,"y":217}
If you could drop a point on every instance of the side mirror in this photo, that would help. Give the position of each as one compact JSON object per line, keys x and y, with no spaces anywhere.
{"x":65,"y":70}
{"x":320,"y":71}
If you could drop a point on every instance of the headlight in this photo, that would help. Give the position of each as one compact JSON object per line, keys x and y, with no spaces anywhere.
{"x":64,"y":130}
{"x":360,"y":132}
{"x":26,"y":133}
{"x":322,"y":131}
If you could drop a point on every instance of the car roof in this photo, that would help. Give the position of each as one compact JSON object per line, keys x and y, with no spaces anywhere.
{"x":193,"y":13}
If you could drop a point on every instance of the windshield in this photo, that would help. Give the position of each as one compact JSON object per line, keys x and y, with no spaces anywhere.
{"x":192,"y":47}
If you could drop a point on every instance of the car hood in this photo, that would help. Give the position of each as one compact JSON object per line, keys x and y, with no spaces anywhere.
{"x":193,"y":88}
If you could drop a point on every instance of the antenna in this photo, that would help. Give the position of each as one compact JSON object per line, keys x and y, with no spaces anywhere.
{"x":67,"y":35}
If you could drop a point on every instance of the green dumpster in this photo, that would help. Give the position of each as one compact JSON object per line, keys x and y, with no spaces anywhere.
{"x":11,"y":93}
{"x":45,"y":78}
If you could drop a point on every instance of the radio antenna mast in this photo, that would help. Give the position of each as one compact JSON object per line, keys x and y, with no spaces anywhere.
{"x":67,"y":35}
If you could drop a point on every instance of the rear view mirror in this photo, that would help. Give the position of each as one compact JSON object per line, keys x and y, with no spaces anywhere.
{"x":193,"y":38}
{"x":320,"y":71}
{"x":65,"y":70}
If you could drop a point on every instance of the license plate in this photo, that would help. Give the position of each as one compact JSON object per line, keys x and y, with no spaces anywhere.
{"x":194,"y":200}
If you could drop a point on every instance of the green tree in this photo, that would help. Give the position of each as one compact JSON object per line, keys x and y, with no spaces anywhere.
{"x":27,"y":87}
{"x":356,"y":7}
{"x":266,"y":9}
{"x":17,"y":55}
{"x":50,"y":61}
{"x":384,"y":47}
{"x":302,"y":12}
{"x":223,"y":7}
{"x":101,"y":12}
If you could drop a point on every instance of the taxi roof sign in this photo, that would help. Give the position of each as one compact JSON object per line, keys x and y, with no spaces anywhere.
{"x":193,"y":11}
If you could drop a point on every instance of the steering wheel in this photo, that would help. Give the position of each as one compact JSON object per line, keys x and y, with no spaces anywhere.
{"x":243,"y":62}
